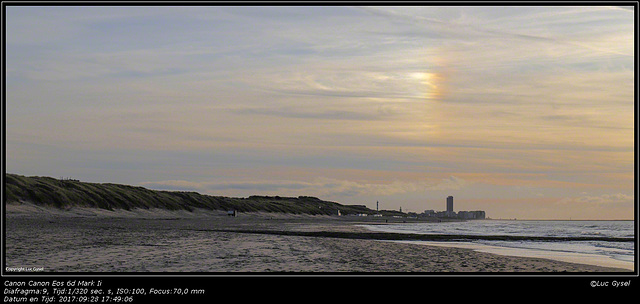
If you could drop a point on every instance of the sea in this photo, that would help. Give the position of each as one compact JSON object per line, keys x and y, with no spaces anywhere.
{"x":606,"y":250}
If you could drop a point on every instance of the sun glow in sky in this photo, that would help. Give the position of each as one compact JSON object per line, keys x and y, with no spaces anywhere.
{"x":524,"y":112}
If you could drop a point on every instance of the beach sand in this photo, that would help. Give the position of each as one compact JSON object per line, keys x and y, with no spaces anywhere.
{"x":92,"y":240}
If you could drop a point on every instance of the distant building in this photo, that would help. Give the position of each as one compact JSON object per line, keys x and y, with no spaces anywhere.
{"x":428,"y":213}
{"x":450,"y":205}
{"x":465,"y":215}
{"x":471,"y":215}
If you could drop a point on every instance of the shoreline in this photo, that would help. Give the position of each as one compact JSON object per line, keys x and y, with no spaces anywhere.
{"x":468,"y":242}
{"x":168,"y":241}
{"x":569,"y":257}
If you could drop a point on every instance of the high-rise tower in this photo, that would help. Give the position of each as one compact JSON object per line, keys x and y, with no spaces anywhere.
{"x":449,"y":204}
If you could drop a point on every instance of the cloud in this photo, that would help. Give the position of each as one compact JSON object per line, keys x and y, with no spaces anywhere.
{"x":320,"y":113}
{"x":441,"y":92}
{"x":354,"y":79}
{"x":627,"y":8}
{"x":599,"y":200}
{"x":451,"y":183}
{"x":456,"y":22}
{"x":322,"y":187}
{"x":173,"y":185}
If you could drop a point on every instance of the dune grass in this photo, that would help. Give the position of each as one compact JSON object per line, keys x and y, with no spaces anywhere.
{"x":67,"y":193}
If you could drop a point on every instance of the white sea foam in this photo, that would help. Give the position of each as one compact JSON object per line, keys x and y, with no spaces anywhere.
{"x":605,"y":252}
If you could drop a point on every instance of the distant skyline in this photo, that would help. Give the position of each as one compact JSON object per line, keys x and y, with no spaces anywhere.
{"x":520,"y":111}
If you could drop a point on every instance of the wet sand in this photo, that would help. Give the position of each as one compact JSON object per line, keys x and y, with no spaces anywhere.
{"x":91,"y":240}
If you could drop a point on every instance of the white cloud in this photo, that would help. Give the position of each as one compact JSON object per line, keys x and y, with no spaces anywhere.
{"x":322,"y":187}
{"x":459,"y":90}
{"x":451,"y":183}
{"x":600,"y":200}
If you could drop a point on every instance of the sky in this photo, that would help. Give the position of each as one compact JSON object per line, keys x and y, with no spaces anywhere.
{"x":523,"y":112}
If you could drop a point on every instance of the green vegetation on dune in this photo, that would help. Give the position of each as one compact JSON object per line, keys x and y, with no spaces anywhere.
{"x":67,"y":193}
